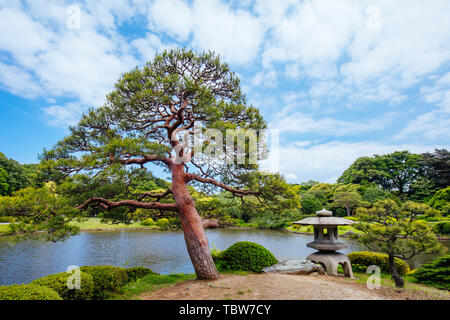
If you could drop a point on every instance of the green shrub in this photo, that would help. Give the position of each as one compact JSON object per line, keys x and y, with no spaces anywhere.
{"x":440,"y":199}
{"x":148,"y":222}
{"x":442,"y":227}
{"x":435,"y":273}
{"x":138,"y":272}
{"x":28,"y":292}
{"x":365,"y":258}
{"x":163,"y":223}
{"x":106,"y":279}
{"x":245,"y":255}
{"x":58,"y":282}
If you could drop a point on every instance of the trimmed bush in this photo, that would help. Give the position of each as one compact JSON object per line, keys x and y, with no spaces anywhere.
{"x":58,"y":282}
{"x":28,"y":292}
{"x":138,"y":272}
{"x":106,"y":279}
{"x":245,"y":255}
{"x":163,"y":223}
{"x":435,"y":273}
{"x":148,"y":222}
{"x":363,"y":259}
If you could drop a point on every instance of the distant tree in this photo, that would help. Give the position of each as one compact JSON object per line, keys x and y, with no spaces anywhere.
{"x":394,"y":172}
{"x":438,"y":167}
{"x":395,"y":230}
{"x":17,"y":177}
{"x":346,"y":196}
{"x":310,"y":203}
{"x":374,"y":193}
{"x":323,"y":192}
{"x":363,"y":171}
{"x":441,"y":200}
{"x":4,"y":186}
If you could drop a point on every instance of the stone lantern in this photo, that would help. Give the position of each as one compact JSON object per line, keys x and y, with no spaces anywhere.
{"x":326,"y":241}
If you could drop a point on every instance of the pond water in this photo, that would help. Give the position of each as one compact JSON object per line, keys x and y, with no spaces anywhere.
{"x":162,"y":251}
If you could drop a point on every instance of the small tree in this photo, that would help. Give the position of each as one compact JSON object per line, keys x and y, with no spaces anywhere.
{"x":347,"y":197}
{"x":395,"y":230}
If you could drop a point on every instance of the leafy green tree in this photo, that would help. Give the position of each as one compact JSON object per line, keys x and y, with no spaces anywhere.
{"x":437,"y":168}
{"x":374,"y":193}
{"x":441,"y":200}
{"x":363,"y":171}
{"x":394,"y":172}
{"x":395,"y":230}
{"x":323,"y":192}
{"x":399,"y":170}
{"x":347,"y":197}
{"x":435,"y":175}
{"x":142,"y":123}
{"x":40,"y":210}
{"x":16,"y":178}
{"x":310,"y":203}
{"x":4,"y":186}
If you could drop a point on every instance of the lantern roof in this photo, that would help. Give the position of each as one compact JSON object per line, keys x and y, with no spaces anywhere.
{"x":324,"y":217}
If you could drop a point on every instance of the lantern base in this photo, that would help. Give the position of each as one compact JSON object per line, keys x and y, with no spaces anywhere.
{"x":330,"y":260}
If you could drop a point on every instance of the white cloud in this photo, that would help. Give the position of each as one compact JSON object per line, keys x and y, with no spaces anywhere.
{"x":265,"y":78}
{"x":18,"y":81}
{"x":434,"y":125}
{"x":314,"y":34}
{"x":66,"y":115}
{"x":148,"y":46}
{"x":338,"y":40}
{"x":55,"y":61}
{"x":173,"y":16}
{"x":298,"y":122}
{"x":234,"y":34}
{"x":412,"y":41}
{"x":327,"y":161}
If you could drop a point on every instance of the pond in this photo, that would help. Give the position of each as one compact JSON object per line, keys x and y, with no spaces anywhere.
{"x":162,"y":251}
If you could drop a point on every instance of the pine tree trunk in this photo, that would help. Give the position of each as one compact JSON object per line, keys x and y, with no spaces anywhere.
{"x":194,"y":233}
{"x":399,"y":282}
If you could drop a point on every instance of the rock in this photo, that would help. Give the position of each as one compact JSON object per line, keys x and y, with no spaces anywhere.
{"x":349,"y":233}
{"x":295,"y":267}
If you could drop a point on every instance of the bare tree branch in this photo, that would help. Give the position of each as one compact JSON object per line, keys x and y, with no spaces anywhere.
{"x":236,"y":192}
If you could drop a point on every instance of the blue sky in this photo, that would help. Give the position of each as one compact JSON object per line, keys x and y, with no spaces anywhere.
{"x":338,"y":79}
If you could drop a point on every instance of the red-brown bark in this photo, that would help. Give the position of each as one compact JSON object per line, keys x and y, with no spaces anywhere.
{"x":194,"y":233}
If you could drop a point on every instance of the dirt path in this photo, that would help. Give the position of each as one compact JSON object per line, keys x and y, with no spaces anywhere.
{"x":279,"y":287}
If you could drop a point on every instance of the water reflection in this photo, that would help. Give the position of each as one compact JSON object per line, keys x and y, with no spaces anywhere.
{"x":163,"y":252}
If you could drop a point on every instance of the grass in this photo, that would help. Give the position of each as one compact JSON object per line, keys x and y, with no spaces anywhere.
{"x":4,"y":228}
{"x":149,"y":283}
{"x":95,"y":223}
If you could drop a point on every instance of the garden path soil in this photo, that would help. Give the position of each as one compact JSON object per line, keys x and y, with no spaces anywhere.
{"x":282,"y":287}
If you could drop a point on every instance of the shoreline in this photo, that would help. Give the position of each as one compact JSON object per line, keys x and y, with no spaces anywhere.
{"x":442,"y":238}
